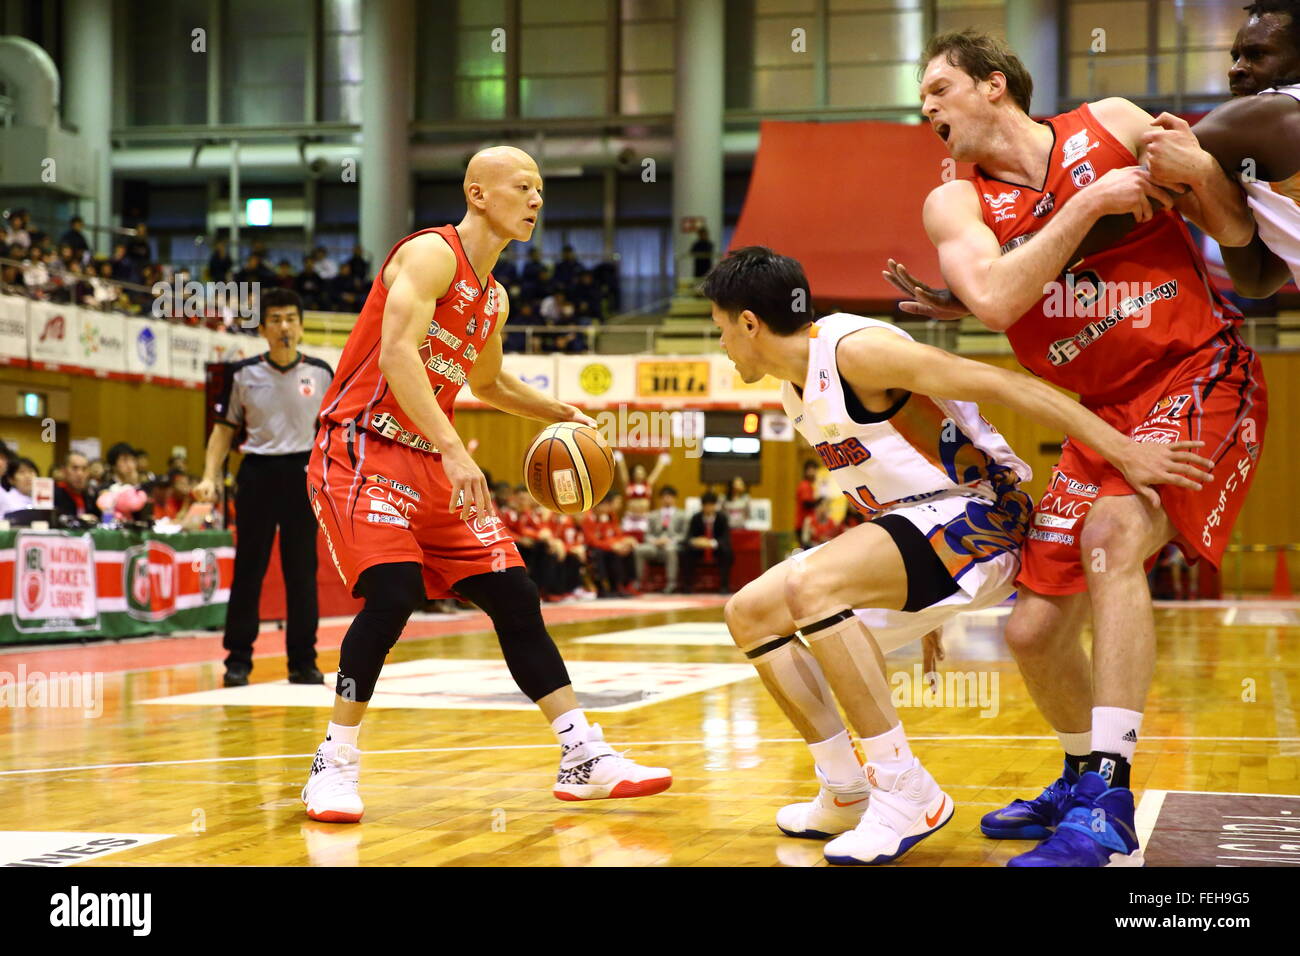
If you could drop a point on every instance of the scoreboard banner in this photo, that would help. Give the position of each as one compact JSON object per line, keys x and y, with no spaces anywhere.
{"x":108,"y":583}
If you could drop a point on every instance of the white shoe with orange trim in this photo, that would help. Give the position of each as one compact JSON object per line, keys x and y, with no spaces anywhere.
{"x":833,"y":811}
{"x":901,"y":813}
{"x":331,"y":792}
{"x":595,"y":771}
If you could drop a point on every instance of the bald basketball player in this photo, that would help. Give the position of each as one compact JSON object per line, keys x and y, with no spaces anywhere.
{"x":407,"y":514}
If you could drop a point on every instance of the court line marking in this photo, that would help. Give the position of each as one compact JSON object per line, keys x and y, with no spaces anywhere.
{"x":1148,"y":810}
{"x":551,"y":746}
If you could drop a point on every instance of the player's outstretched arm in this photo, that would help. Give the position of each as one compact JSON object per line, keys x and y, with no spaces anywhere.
{"x":491,"y":383}
{"x":999,"y":288}
{"x":873,"y":360}
{"x":425,"y":268}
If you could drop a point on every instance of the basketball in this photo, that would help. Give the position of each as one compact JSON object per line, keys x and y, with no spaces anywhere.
{"x":569,"y":468}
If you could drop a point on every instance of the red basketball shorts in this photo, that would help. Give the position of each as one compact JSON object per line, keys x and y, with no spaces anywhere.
{"x":380,"y":502}
{"x":1218,"y":397}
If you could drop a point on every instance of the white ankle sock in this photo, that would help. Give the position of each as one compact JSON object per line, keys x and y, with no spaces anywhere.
{"x":889,"y":750}
{"x":571,"y":728}
{"x":339,"y":734}
{"x":1115,"y":731}
{"x":838,"y":761}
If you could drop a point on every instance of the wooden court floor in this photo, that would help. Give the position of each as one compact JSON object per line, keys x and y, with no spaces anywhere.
{"x":216,"y":778}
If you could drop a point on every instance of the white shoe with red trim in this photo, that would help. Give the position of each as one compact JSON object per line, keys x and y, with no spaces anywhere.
{"x":595,"y":771}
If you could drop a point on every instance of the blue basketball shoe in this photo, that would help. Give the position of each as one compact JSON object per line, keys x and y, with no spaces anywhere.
{"x":1032,"y":819}
{"x":1097,"y":830}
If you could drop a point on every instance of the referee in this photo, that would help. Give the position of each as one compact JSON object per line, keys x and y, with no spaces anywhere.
{"x":276,"y":396}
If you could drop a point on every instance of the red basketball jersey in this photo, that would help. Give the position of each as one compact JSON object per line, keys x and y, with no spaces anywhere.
{"x":459,"y":327}
{"x":1120,"y":318}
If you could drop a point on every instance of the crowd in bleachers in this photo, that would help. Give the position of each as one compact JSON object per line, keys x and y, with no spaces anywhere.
{"x":80,"y":483}
{"x":635,"y":540}
{"x":564,"y":295}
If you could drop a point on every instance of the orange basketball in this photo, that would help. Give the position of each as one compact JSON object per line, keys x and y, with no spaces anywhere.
{"x":569,"y":468}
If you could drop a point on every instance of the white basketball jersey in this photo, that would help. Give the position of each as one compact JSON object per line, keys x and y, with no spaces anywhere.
{"x":1277,"y":207}
{"x":922,"y":448}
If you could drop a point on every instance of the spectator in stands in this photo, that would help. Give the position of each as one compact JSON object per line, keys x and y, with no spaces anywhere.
{"x":736,"y":504}
{"x":611,"y":552}
{"x":137,"y":249}
{"x":533,"y":270}
{"x":311,"y":289}
{"x":255,"y":270}
{"x":805,"y":496}
{"x":521,"y":518}
{"x":97,"y":471}
{"x":702,"y":252}
{"x":159,"y":493}
{"x":323,"y":265}
{"x":588,"y":303}
{"x":12,"y":280}
{"x":284,"y":277}
{"x":359,"y":265}
{"x":16,"y":234}
{"x":103,"y":290}
{"x":219,"y":263}
{"x":348,"y":290}
{"x":123,"y":266}
{"x":567,"y":269}
{"x":22,"y":475}
{"x":75,"y":238}
{"x":708,"y":534}
{"x":664,"y":537}
{"x":819,"y":527}
{"x":123,"y":467}
{"x":175,"y":503}
{"x":570,"y":553}
{"x":35,"y":273}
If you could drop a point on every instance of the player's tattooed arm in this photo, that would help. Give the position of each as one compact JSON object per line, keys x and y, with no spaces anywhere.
{"x":491,"y":383}
{"x":874,"y":361}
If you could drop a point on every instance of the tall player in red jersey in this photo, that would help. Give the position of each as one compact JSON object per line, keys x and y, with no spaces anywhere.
{"x":1040,"y":243}
{"x":406,"y":512}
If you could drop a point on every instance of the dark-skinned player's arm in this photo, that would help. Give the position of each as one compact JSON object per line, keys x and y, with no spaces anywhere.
{"x":1256,"y":136}
{"x":998,"y":288}
{"x":1165,"y":145}
{"x":875,"y":360}
{"x":492,"y":384}
{"x":425,"y":269}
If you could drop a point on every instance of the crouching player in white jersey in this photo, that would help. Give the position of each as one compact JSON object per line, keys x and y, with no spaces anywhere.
{"x":895,"y":423}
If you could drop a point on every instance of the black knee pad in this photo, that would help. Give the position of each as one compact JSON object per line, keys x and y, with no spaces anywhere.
{"x":392,"y":592}
{"x":510,"y":599}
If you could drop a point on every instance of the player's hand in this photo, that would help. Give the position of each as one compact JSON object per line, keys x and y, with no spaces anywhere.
{"x":1174,"y":155}
{"x":1146,"y":464}
{"x":1129,"y":190}
{"x":931,"y":654}
{"x":572,"y":413}
{"x":205,"y":490}
{"x":469,"y":489}
{"x":923,"y":299}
